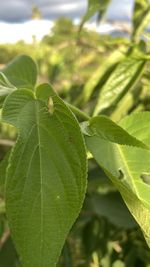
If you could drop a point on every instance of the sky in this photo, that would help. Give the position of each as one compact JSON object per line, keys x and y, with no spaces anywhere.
{"x":16,"y":24}
{"x":20,"y":10}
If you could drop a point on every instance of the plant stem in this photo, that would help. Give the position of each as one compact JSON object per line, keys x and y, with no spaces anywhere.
{"x":78,"y":112}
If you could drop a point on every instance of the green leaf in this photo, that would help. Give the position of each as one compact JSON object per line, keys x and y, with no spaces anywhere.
{"x":97,"y":79}
{"x":95,"y":6}
{"x":8,"y":255}
{"x":5,"y":88}
{"x":105,"y":128}
{"x":113,"y":208}
{"x":123,"y":78}
{"x":21,"y":72}
{"x":141,"y":18}
{"x":126,"y":165}
{"x":46,"y":179}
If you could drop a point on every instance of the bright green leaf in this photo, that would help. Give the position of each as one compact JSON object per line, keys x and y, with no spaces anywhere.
{"x":141,"y":18}
{"x":105,"y":128}
{"x":126,"y":165}
{"x":97,"y":79}
{"x":122,"y":79}
{"x":46,"y":179}
{"x":21,"y":72}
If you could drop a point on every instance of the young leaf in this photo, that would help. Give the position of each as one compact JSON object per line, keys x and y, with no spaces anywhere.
{"x":5,"y":88}
{"x":95,"y":6}
{"x":125,"y":166}
{"x":46,"y":179}
{"x":21,"y":72}
{"x":98,"y":77}
{"x":105,"y":128}
{"x":122,"y":79}
{"x":141,"y":18}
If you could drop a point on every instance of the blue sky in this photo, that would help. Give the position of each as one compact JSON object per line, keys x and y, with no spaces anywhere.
{"x":20,"y":10}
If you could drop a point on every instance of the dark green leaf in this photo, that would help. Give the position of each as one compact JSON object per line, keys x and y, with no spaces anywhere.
{"x":46,"y":179}
{"x":113,"y":208}
{"x":8,"y":255}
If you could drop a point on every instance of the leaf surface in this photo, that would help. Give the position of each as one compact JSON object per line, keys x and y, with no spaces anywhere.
{"x":100,"y":75}
{"x":5,"y":88}
{"x":46,"y":179}
{"x":21,"y":72}
{"x":105,"y":128}
{"x":141,"y":18}
{"x":126,"y":165}
{"x":95,"y":6}
{"x":121,"y":80}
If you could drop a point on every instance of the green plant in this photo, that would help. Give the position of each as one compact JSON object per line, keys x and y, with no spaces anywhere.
{"x":45,"y":177}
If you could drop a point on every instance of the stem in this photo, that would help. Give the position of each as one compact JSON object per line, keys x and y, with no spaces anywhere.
{"x":78,"y":112}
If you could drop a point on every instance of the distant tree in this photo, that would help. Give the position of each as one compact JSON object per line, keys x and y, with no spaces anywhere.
{"x":63,"y":26}
{"x":36,"y":13}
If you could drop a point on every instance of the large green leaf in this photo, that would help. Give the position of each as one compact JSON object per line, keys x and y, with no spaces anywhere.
{"x":46,"y":178}
{"x":5,"y":88}
{"x":21,"y":72}
{"x":122,"y":79}
{"x":128,"y":167}
{"x":141,"y":18}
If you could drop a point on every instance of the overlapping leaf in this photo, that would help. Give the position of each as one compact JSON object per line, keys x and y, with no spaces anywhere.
{"x":5,"y":88}
{"x":46,"y":178}
{"x":106,"y":129}
{"x":21,"y":72}
{"x":126,"y":167}
{"x":122,"y":79}
{"x":100,"y":75}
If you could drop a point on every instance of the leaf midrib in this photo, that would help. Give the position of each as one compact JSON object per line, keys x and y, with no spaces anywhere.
{"x":41,"y":179}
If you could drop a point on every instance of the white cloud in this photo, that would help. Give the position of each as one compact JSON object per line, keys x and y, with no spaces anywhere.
{"x":11,"y":33}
